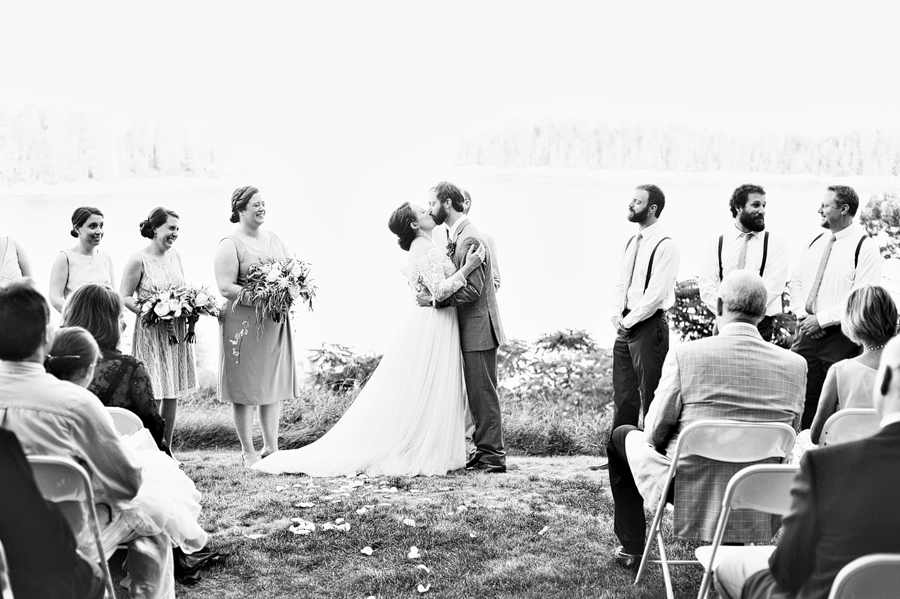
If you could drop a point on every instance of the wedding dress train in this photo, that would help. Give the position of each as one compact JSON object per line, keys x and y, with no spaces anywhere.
{"x":408,"y":419}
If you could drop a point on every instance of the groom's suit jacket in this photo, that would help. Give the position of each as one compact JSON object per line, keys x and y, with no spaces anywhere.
{"x":476,"y":303}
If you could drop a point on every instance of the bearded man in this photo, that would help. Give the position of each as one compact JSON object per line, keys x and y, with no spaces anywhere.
{"x":747,"y":246}
{"x":643,"y":292}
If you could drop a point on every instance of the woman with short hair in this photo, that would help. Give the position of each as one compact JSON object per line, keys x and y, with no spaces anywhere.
{"x":871,"y":321}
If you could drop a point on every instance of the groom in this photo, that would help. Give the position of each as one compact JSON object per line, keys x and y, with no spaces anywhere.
{"x":480,"y":330}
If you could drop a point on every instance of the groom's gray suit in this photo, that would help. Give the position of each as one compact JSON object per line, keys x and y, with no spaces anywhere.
{"x":481,"y":333}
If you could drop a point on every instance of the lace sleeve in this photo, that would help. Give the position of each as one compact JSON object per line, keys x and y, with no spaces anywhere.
{"x":142,"y":403}
{"x":431,"y":271}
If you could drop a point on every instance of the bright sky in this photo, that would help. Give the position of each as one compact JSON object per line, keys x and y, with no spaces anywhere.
{"x":350,"y":79}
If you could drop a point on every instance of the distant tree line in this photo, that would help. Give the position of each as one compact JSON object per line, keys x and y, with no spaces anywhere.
{"x":53,"y":146}
{"x":685,"y":148}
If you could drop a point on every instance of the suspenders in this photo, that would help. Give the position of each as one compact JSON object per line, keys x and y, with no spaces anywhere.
{"x":762,"y":266}
{"x":855,"y":256}
{"x":650,"y":263}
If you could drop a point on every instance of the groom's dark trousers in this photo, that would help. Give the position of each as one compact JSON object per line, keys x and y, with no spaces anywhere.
{"x":480,"y":368}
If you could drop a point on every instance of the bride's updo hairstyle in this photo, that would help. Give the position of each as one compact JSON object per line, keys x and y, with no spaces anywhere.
{"x":72,"y":353}
{"x":239,"y":200}
{"x":158,"y":217}
{"x":400,"y":225}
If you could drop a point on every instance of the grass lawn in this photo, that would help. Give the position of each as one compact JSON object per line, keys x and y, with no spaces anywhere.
{"x":544,"y":529}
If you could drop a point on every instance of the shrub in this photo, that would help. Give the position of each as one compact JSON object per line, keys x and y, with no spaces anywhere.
{"x":339,"y":369}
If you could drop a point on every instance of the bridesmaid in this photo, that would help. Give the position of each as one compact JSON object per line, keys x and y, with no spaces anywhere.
{"x":172,"y":368}
{"x":255,"y":370}
{"x":14,"y":262}
{"x":85,"y":262}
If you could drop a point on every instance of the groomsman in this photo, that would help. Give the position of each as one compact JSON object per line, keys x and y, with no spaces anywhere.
{"x":643,"y":292}
{"x":835,"y":262}
{"x":748,"y":246}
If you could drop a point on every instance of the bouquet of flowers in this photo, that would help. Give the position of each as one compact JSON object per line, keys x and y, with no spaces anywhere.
{"x":162,"y":307}
{"x":274,"y":285}
{"x":196,"y":302}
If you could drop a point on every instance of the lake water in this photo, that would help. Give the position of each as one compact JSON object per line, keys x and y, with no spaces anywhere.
{"x":560,"y":236}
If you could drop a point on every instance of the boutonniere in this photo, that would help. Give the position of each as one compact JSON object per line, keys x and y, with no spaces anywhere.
{"x":451,"y":248}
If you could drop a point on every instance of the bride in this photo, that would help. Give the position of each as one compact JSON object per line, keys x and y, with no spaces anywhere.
{"x":408,"y":419}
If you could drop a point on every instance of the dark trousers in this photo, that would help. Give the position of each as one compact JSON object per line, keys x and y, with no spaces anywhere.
{"x":480,"y":370}
{"x":638,"y":357}
{"x":629,"y":522}
{"x":820,"y":354}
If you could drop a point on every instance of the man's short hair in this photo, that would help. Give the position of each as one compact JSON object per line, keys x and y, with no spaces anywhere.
{"x":24,"y":315}
{"x":448,"y":191}
{"x":741,"y":194}
{"x":844,"y":194}
{"x":744,"y":292}
{"x":468,"y":198}
{"x":655,"y":197}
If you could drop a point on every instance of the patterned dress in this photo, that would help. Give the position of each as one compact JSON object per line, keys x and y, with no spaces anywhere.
{"x":256,"y":368}
{"x":172,"y":368}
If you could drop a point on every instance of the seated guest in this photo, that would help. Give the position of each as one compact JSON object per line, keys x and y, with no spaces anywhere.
{"x":843,"y":506}
{"x":57,"y":418}
{"x":119,"y":380}
{"x":732,"y":376}
{"x":39,"y":545}
{"x":167,"y":496}
{"x":870,"y":321}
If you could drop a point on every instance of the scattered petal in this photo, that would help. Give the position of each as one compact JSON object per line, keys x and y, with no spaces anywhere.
{"x":326,"y":497}
{"x":413,"y":553}
{"x":409,"y":522}
{"x":339,"y":521}
{"x":473,"y":534}
{"x":369,"y":506}
{"x":462,"y":508}
{"x":299,"y":530}
{"x":384,"y":505}
{"x":543,"y":530}
{"x":304,"y":504}
{"x":423,"y":588}
{"x":254,"y":535}
{"x":367,"y":550}
{"x":445,"y":489}
{"x":345,"y":527}
{"x":280,"y":488}
{"x":393,"y":490}
{"x":415,"y":490}
{"x":423,"y":567}
{"x":362,"y":511}
{"x":328,"y":526}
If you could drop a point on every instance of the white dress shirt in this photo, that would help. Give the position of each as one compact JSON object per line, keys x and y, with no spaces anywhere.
{"x":660,"y":293}
{"x":775,"y":274}
{"x":840,"y":276}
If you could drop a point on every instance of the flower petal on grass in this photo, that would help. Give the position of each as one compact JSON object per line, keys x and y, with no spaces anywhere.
{"x":339,"y":521}
{"x":543,"y":530}
{"x":280,"y":488}
{"x":362,"y":511}
{"x":254,"y":535}
{"x":423,"y":588}
{"x":304,"y":504}
{"x":413,"y":553}
{"x":409,"y":522}
{"x":445,"y":489}
{"x":473,"y":534}
{"x":423,"y":567}
{"x":367,"y":550}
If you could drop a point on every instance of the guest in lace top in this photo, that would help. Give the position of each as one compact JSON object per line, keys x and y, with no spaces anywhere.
{"x":119,"y":380}
{"x":870,"y":321}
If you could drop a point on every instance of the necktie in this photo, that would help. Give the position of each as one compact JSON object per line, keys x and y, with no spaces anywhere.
{"x":742,"y":255}
{"x":814,"y":291}
{"x":637,"y":248}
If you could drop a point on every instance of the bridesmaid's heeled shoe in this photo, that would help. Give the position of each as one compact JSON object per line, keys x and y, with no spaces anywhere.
{"x":266,"y":453}
{"x":249,"y":462}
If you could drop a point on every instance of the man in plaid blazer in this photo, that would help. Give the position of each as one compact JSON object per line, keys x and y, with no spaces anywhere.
{"x":733,"y":376}
{"x":480,"y":330}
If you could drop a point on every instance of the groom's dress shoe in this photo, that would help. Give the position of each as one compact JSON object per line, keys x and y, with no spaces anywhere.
{"x":473,"y":459}
{"x":489,"y":468}
{"x":627,"y":560}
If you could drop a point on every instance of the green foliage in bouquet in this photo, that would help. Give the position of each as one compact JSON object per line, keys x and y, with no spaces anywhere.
{"x":339,"y":369}
{"x":565,"y":368}
{"x":162,"y":306}
{"x":274,"y":285}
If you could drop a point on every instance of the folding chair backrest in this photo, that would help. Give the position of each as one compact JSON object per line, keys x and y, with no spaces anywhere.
{"x":850,"y":425}
{"x":62,"y":481}
{"x":763,"y":487}
{"x":731,"y":441}
{"x":125,"y":421}
{"x":875,"y":576}
{"x":5,"y":586}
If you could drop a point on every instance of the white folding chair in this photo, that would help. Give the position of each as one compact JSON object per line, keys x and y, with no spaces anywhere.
{"x":764,"y":488}
{"x":62,"y":480}
{"x":875,"y":576}
{"x":850,"y":425}
{"x":724,"y":441}
{"x":5,"y":586}
{"x":125,"y":421}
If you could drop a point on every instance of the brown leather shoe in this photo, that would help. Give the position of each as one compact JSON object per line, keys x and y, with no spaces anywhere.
{"x":627,"y":560}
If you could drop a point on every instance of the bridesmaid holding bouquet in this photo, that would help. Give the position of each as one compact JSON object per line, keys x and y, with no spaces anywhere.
{"x":172,"y":367}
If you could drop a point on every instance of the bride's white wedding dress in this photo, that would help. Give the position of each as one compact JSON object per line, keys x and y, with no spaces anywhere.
{"x":408,"y":419}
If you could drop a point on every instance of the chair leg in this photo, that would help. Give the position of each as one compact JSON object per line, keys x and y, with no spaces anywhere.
{"x":651,"y":537}
{"x":704,"y":584}
{"x":664,"y":562}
